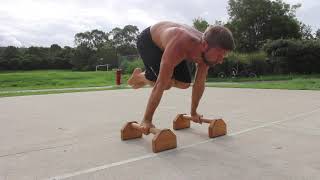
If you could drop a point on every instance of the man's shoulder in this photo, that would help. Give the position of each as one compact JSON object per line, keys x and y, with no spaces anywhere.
{"x":169,"y":34}
{"x":186,"y":38}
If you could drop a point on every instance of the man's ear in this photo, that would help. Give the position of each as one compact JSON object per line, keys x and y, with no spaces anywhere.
{"x":204,"y":45}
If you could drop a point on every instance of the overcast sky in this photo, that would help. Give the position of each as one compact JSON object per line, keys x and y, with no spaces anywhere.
{"x":45,"y":22}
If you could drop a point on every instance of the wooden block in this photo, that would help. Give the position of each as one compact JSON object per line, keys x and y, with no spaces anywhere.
{"x":164,"y":140}
{"x":217,"y":128}
{"x":180,"y":122}
{"x":128,"y":132}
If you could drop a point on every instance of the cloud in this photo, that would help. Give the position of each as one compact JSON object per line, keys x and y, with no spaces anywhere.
{"x":46,"y":22}
{"x":308,"y":12}
{"x":310,"y":16}
{"x":9,"y":40}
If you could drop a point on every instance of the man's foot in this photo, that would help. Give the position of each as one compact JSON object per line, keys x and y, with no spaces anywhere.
{"x":146,"y":126}
{"x":136,"y":81}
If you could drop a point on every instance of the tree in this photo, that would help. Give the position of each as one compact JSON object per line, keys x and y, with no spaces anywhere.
{"x":10,"y":52}
{"x":219,"y":23}
{"x":36,"y":58}
{"x":59,"y":58}
{"x":306,"y":31}
{"x":10,"y":58}
{"x":200,"y":24}
{"x":107,"y":55}
{"x":254,"y":21}
{"x":55,"y":48}
{"x":318,"y":34}
{"x":91,"y":39}
{"x":82,"y":58}
{"x":89,"y":43}
{"x":296,"y":56}
{"x":124,"y":40}
{"x":66,"y":55}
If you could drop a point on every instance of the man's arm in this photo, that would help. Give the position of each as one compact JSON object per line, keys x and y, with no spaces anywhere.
{"x":164,"y":78}
{"x":198,"y":87}
{"x":170,"y":59}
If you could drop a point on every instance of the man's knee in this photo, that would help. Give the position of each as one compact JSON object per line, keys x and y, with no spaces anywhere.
{"x":181,"y":85}
{"x":177,"y":84}
{"x":185,"y":85}
{"x":169,"y":85}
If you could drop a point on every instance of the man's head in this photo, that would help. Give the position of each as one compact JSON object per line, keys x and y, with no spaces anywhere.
{"x":217,"y":41}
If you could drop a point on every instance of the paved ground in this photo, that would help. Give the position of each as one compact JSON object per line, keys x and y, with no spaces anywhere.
{"x":272,"y":134}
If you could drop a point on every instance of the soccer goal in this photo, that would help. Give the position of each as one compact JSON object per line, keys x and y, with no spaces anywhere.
{"x":103,"y":65}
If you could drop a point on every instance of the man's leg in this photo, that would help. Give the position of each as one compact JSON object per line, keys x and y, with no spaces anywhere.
{"x":182,"y":76}
{"x":180,"y":84}
{"x":138,"y":79}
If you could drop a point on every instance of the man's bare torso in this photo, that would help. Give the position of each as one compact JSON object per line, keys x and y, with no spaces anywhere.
{"x":162,"y":33}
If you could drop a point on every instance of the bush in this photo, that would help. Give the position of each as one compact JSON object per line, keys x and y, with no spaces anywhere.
{"x":12,"y":58}
{"x":294,"y":56}
{"x":128,"y":66}
{"x":258,"y":64}
{"x":253,"y":62}
{"x":13,"y":63}
{"x":81,"y":58}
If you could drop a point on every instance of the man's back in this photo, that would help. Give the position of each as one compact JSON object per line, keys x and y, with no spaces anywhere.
{"x":163,"y":32}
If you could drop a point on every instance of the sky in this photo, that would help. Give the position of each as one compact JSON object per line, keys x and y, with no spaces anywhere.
{"x":26,"y":23}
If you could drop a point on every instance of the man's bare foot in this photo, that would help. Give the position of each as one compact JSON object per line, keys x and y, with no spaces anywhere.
{"x":146,"y":126}
{"x":135,"y":81}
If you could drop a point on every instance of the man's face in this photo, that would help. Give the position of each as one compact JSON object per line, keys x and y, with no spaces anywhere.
{"x":213,"y":56}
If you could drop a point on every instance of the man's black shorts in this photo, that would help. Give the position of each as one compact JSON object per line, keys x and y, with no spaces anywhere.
{"x":151,"y":56}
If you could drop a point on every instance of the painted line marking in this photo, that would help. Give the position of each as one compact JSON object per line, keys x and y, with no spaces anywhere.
{"x":151,"y":155}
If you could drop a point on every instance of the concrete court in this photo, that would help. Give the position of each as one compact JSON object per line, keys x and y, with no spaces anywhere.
{"x":272,"y":134}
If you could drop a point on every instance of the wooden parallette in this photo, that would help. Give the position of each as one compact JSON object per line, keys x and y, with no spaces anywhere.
{"x":217,"y":127}
{"x":163,"y":139}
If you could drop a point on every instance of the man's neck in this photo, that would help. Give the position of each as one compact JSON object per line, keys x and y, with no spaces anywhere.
{"x":195,"y":53}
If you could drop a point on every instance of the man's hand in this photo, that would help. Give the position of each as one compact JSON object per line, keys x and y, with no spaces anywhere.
{"x":196,"y":118}
{"x":146,"y":125}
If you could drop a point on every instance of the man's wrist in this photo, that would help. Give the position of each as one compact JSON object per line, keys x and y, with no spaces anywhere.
{"x":193,"y":113}
{"x":147,"y":120}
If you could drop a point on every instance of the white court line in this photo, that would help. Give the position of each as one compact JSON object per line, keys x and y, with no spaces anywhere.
{"x":151,"y":155}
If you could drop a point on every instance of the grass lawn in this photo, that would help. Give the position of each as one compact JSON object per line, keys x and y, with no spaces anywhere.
{"x":291,"y":82}
{"x":55,"y":79}
{"x":59,"y":79}
{"x":10,"y":94}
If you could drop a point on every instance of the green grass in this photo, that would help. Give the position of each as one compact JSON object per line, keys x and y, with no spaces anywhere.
{"x":11,"y":94}
{"x":59,"y":79}
{"x":291,"y":82}
{"x":285,"y":77}
{"x":55,"y":79}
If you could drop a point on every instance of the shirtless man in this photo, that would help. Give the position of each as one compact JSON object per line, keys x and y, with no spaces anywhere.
{"x":164,"y":48}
